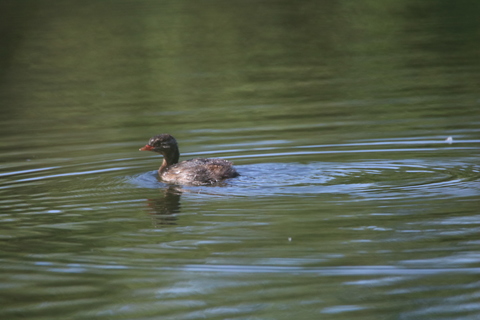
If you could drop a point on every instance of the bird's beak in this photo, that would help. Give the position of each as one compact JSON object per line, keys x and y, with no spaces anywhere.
{"x":146,"y":148}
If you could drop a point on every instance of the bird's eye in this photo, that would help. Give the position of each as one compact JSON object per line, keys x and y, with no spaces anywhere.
{"x":165,"y":145}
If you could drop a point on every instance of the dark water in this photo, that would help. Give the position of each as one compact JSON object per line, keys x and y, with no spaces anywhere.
{"x":354,"y":125}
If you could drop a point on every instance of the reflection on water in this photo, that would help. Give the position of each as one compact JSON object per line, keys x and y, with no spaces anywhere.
{"x":354,"y":127}
{"x":165,"y":208}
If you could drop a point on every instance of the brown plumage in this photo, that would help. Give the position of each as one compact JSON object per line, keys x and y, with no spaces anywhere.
{"x":193,"y":172}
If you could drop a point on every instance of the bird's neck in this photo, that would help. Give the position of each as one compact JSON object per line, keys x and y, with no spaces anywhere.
{"x":169,"y":158}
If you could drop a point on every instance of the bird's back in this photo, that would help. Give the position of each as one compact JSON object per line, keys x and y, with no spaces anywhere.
{"x":199,"y":172}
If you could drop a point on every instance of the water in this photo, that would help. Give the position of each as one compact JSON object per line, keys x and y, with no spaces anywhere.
{"x":354,"y":126}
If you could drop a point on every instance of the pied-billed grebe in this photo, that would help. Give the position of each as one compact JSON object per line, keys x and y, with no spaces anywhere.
{"x":194,"y":172}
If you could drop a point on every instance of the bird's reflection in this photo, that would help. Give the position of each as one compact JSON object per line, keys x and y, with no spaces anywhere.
{"x":164,"y":210}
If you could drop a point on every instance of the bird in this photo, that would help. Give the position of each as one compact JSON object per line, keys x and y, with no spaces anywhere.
{"x":195,"y":172}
